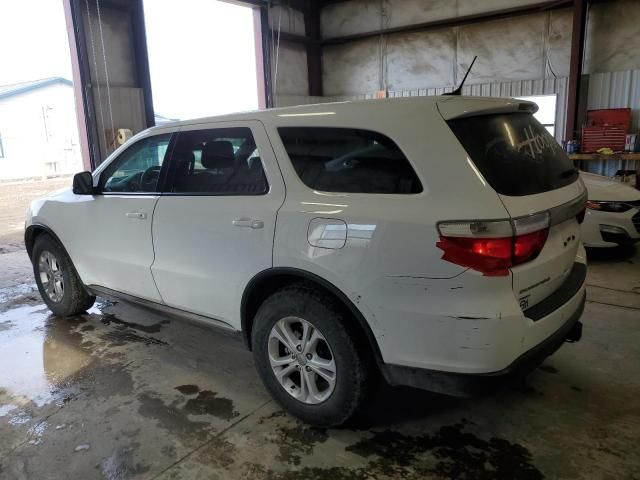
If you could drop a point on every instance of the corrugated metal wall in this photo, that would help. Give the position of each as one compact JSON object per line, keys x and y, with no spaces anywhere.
{"x":616,"y":90}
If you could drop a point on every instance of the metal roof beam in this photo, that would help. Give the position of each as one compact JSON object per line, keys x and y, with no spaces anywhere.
{"x":575,"y":66}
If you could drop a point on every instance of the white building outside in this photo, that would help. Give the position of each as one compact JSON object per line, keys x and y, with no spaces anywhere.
{"x":38,"y":130}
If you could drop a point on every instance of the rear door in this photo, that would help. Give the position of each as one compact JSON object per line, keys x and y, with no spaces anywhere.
{"x":531,"y":174}
{"x":213,"y":226}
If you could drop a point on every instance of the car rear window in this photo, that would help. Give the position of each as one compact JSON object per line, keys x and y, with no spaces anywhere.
{"x":348,"y":160}
{"x":514,"y":153}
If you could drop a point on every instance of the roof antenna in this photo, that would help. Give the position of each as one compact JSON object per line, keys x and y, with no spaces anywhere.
{"x":458,"y":91}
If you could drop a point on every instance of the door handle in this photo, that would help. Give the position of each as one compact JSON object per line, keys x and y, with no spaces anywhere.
{"x":248,"y":223}
{"x":138,"y":215}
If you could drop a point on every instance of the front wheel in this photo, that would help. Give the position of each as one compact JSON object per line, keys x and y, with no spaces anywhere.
{"x":57,"y":280}
{"x":308,"y":357}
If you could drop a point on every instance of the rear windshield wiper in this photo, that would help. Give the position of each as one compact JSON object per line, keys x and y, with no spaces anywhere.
{"x":569,"y":173}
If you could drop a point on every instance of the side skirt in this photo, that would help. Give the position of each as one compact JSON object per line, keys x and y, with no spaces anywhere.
{"x":201,"y":320}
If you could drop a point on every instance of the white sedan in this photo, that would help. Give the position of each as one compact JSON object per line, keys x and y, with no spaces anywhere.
{"x":613,"y":212}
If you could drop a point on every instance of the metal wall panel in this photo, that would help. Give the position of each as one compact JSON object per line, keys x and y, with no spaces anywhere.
{"x":616,"y":90}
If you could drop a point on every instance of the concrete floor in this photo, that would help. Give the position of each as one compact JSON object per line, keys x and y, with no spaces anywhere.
{"x":123,"y":393}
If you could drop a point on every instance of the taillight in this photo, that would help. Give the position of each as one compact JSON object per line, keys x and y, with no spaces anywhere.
{"x":527,"y":247}
{"x":492,"y":247}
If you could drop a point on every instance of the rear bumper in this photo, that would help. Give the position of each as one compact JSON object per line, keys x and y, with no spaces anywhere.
{"x":571,"y":286}
{"x":467,"y":384}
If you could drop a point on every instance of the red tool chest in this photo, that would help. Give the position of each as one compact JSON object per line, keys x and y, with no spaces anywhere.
{"x":606,"y":128}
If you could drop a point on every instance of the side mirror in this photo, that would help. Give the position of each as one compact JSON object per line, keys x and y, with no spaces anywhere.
{"x":83,"y":183}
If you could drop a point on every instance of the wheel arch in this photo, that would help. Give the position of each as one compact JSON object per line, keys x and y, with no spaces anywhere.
{"x":34,"y":231}
{"x":262,"y":285}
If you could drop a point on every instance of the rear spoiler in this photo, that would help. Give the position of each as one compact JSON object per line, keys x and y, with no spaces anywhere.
{"x":459,"y":107}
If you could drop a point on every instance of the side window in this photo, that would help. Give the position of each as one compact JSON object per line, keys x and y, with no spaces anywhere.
{"x":348,"y":160}
{"x":137,"y":169}
{"x":221,"y":161}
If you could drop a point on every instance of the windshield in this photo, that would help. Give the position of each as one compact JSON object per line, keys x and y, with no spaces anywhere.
{"x":514,"y":153}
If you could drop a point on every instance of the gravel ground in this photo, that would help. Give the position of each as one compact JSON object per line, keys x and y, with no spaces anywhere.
{"x":14,"y":200}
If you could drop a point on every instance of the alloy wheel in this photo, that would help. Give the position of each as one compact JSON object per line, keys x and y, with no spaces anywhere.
{"x":302,"y":360}
{"x":50,"y":272}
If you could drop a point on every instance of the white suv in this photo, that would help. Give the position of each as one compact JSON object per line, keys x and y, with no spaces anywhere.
{"x":433,"y":240}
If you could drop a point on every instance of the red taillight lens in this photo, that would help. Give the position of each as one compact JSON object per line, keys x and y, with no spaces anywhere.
{"x":491,"y":256}
{"x":527,"y":247}
{"x":484,"y":247}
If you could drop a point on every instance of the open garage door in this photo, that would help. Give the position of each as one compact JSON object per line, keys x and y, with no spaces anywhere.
{"x":202,"y":58}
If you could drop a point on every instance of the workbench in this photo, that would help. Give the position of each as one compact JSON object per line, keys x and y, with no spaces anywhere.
{"x":581,"y":157}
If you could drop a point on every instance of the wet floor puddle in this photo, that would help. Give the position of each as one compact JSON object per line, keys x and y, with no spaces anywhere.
{"x":43,"y":358}
{"x":448,"y":452}
{"x":38,"y":354}
{"x":46,"y":360}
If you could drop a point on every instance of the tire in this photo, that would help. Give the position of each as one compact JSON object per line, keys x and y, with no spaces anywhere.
{"x":333,"y":403}
{"x":65,"y":295}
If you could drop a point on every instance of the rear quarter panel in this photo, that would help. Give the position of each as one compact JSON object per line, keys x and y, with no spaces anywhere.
{"x":389,"y":267}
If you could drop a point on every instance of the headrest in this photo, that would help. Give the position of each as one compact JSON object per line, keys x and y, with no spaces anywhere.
{"x":217,"y":154}
{"x":184,"y":156}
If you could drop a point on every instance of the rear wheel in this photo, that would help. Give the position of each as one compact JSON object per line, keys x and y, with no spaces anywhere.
{"x":57,"y":280}
{"x":308,"y":356}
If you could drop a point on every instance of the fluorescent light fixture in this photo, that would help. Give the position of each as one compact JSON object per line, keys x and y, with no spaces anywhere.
{"x":509,"y":134}
{"x":476,"y":171}
{"x":310,"y":114}
{"x":322,"y":212}
{"x":330,"y":194}
{"x":324,"y":204}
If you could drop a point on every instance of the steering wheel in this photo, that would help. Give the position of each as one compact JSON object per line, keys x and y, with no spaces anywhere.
{"x":132,"y":184}
{"x":150,"y":176}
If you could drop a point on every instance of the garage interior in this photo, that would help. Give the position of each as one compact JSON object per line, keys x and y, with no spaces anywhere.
{"x":123,"y":392}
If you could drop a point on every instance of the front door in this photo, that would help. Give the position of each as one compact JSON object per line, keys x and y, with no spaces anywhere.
{"x":213,"y":225}
{"x":119,"y":250}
